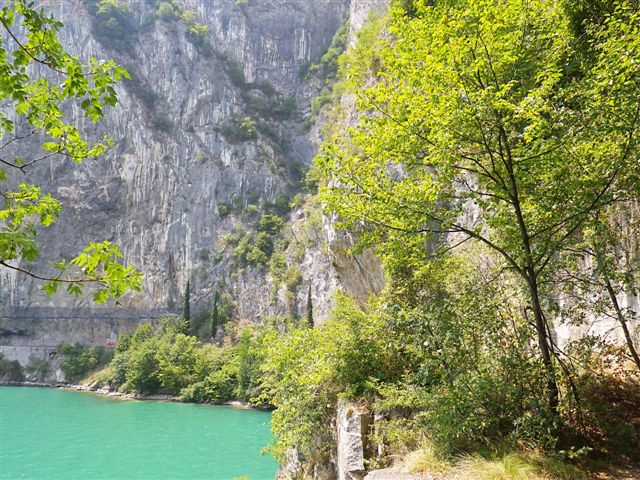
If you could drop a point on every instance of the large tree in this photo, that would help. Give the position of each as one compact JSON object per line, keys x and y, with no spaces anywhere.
{"x":41,"y":85}
{"x":477,"y":122}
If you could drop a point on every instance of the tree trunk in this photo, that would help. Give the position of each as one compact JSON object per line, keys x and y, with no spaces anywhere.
{"x":623,"y":322}
{"x":543,"y":343}
{"x":531,"y":277}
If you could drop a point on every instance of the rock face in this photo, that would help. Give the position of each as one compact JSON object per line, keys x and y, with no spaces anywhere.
{"x":352,"y":425}
{"x":210,"y":127}
{"x":42,"y":330}
{"x":393,"y":474}
{"x":159,"y":192}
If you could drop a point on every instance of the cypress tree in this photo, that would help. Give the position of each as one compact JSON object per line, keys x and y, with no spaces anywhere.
{"x":186,"y":311}
{"x":309,"y":308}
{"x":214,"y":315}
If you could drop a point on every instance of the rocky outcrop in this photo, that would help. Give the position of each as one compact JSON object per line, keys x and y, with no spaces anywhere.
{"x":163,"y":192}
{"x":394,"y":473}
{"x":360,"y":12}
{"x":351,"y":429}
{"x":352,"y":426}
{"x":42,"y":330}
{"x":182,"y":174}
{"x":183,"y":171}
{"x":361,"y":274}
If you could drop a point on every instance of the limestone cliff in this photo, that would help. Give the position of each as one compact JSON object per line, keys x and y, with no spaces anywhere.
{"x":213,"y":130}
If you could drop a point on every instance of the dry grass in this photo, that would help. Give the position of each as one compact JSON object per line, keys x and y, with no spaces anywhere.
{"x":425,"y":460}
{"x":529,"y":465}
{"x":510,"y":467}
{"x":556,"y":469}
{"x":99,"y":377}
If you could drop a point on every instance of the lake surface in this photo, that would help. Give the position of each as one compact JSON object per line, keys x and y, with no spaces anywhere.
{"x":48,"y":433}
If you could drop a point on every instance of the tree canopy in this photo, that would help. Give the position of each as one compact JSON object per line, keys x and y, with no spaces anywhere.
{"x":483,"y":122}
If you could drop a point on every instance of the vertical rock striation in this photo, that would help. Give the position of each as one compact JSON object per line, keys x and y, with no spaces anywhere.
{"x":183,"y":170}
{"x":209,"y":125}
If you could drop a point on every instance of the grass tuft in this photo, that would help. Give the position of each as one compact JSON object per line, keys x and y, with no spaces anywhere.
{"x":510,"y":467}
{"x":555,"y":468}
{"x":518,"y":466}
{"x":425,"y":460}
{"x":99,"y":377}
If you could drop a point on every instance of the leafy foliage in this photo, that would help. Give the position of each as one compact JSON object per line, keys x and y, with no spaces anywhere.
{"x":239,"y":129}
{"x":169,"y":361}
{"x":10,"y":370}
{"x":327,"y":66}
{"x":113,"y":23}
{"x":79,"y":360}
{"x":304,"y":371}
{"x":484,"y":161}
{"x":256,"y":248}
{"x":470,"y":107}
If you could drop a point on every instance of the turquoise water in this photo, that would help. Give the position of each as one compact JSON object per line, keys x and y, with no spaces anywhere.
{"x":47,"y":433}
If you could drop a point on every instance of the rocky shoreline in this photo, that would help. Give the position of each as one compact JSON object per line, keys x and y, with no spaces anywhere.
{"x":113,"y":393}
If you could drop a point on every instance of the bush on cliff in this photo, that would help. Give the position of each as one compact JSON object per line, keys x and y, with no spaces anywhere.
{"x":79,"y":360}
{"x":10,"y":370}
{"x":442,"y":356}
{"x":304,"y":371}
{"x":168,"y":361}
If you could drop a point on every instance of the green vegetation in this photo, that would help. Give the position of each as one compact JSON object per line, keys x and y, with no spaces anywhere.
{"x":226,"y":308}
{"x":264,"y":108}
{"x":166,"y":360}
{"x":113,"y":23}
{"x":249,"y":362}
{"x":327,"y":66}
{"x":37,"y":368}
{"x":281,"y":205}
{"x":493,"y":145}
{"x":483,"y":105}
{"x":33,"y":110}
{"x":239,"y":129}
{"x":270,"y":224}
{"x":10,"y":370}
{"x":223,"y":209}
{"x":186,"y":309}
{"x":255,"y":248}
{"x":236,"y":75}
{"x":326,"y":69}
{"x":489,"y":108}
{"x":292,"y":278}
{"x":196,"y":32}
{"x":272,"y":107}
{"x":204,"y":255}
{"x":277,"y":265}
{"x":79,"y":360}
{"x":526,"y":465}
{"x":306,"y":369}
{"x":492,"y":163}
{"x":233,"y":69}
{"x":168,"y":11}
